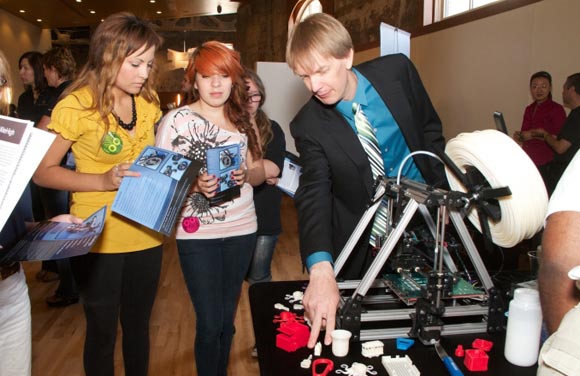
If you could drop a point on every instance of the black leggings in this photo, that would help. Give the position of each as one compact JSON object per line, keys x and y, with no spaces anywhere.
{"x":114,"y":286}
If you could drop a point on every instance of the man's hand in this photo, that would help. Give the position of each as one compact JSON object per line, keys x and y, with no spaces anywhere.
{"x":321,"y":301}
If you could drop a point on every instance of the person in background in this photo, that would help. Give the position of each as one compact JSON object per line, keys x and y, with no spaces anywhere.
{"x":267,"y":197}
{"x":186,"y":87}
{"x":542,"y":113}
{"x":386,"y":99}
{"x":567,"y":142}
{"x":560,"y":295}
{"x":59,"y":69}
{"x":32,"y":104}
{"x":107,"y":117}
{"x":215,"y":243}
{"x":15,"y":320}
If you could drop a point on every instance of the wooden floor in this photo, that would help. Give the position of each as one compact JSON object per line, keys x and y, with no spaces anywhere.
{"x":58,"y":333}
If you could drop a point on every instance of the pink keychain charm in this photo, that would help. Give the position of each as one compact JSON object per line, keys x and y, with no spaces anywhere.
{"x":190,"y":224}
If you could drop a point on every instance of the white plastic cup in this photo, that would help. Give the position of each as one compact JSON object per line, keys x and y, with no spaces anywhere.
{"x":340,"y":341}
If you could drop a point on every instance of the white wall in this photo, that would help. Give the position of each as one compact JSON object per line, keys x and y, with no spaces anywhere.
{"x":285,"y":96}
{"x":17,"y":37}
{"x":476,"y":68}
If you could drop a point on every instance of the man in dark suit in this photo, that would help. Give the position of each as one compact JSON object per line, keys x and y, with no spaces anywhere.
{"x":337,"y":182}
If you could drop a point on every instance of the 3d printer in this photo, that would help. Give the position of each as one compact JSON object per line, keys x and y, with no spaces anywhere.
{"x":424,"y":294}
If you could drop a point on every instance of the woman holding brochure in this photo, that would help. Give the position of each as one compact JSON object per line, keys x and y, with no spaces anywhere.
{"x":267,"y":197}
{"x":215,"y":243}
{"x":107,"y":117}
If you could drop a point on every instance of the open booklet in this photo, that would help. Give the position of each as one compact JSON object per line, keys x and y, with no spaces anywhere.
{"x":291,"y":172}
{"x":23,"y":147}
{"x":55,"y":240}
{"x":155,"y":198}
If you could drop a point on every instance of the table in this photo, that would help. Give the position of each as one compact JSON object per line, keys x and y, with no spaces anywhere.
{"x":277,"y":362}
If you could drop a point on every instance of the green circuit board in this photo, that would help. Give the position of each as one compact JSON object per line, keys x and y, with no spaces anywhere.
{"x":408,"y":287}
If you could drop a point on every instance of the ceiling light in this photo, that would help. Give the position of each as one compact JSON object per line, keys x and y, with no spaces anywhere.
{"x":159,"y":12}
{"x":39,"y":20}
{"x":152,"y":1}
{"x":92,"y":12}
{"x":22,"y":11}
{"x":79,"y":1}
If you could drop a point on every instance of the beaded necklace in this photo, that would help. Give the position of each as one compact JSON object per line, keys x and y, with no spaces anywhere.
{"x":131,"y":125}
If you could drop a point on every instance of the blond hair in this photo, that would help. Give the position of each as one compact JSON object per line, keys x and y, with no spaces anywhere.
{"x":5,"y":89}
{"x":319,"y":35}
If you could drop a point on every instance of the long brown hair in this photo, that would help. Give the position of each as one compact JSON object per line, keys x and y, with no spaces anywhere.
{"x":117,"y":37}
{"x":215,"y":58}
{"x":6,"y":85}
{"x":262,"y":120}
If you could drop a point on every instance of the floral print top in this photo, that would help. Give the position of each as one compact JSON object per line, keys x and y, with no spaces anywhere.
{"x":191,"y":135}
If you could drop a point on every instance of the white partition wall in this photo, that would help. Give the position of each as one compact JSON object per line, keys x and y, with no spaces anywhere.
{"x":285,"y":95}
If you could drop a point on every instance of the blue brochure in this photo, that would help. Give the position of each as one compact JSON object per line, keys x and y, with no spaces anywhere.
{"x":155,"y":198}
{"x":56,"y":240}
{"x":222,"y":162}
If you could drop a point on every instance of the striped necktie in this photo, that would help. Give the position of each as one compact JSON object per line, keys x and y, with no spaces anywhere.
{"x":370,"y":144}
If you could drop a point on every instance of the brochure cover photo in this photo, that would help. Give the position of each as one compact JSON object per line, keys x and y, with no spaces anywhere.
{"x":222,"y":162}
{"x":155,"y":198}
{"x":56,"y":240}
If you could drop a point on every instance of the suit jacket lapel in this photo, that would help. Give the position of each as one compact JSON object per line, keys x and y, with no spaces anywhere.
{"x":338,"y":128}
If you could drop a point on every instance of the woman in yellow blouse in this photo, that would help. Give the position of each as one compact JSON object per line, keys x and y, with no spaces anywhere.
{"x":107,"y":117}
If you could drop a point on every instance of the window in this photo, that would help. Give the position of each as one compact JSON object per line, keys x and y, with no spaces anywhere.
{"x":437,"y":10}
{"x":453,"y":7}
{"x":442,"y":14}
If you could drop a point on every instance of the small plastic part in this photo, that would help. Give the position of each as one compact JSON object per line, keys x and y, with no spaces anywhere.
{"x":306,"y":363}
{"x":295,"y":297}
{"x":286,"y":317}
{"x":281,"y":307}
{"x":399,"y":366}
{"x":482,"y":344}
{"x":372,"y":349}
{"x":404,"y":343}
{"x":459,"y":352}
{"x":298,"y":307}
{"x":329,"y":366}
{"x":317,"y":349}
{"x":356,"y":369}
{"x":292,"y":336}
{"x":476,"y":360}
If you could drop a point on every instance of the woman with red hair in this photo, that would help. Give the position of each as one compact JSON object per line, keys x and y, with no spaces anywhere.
{"x":215,"y":242}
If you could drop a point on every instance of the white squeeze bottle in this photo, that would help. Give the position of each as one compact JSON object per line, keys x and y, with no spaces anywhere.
{"x":524,"y":326}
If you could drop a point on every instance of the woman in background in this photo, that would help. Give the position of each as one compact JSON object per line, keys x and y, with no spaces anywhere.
{"x":107,"y":117}
{"x":267,"y":196}
{"x":32,"y":104}
{"x":542,"y":113}
{"x":215,"y":243}
{"x":33,"y":100}
{"x":59,"y":68}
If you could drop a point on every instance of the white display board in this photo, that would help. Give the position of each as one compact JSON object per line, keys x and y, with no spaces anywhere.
{"x":285,"y":95}
{"x":395,"y":40}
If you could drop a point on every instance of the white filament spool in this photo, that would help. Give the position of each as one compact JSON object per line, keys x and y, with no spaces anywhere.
{"x":502,"y":163}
